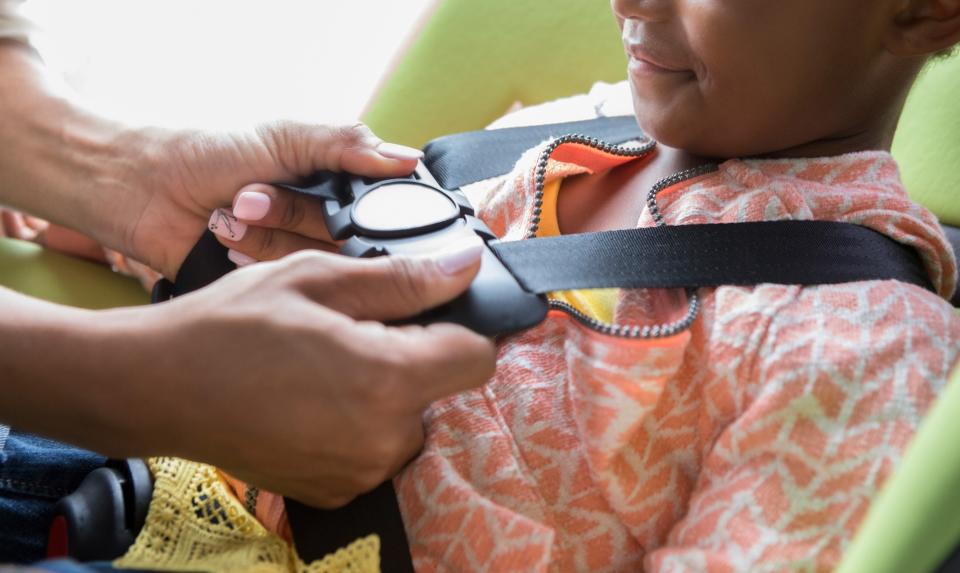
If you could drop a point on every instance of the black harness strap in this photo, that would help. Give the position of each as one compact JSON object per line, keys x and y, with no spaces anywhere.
{"x":782,"y":252}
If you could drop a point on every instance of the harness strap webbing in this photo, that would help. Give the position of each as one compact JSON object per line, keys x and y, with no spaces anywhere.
{"x":782,"y":252}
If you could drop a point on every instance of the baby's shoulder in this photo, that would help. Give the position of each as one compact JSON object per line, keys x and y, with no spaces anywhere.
{"x":865,"y":326}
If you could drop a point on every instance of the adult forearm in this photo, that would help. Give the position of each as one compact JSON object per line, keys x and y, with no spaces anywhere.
{"x":58,"y":161}
{"x":50,"y":365}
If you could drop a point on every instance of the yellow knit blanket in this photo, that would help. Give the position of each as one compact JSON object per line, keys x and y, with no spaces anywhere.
{"x":196,"y":524}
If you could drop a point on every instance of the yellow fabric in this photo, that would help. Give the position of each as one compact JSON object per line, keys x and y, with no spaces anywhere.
{"x":595,"y":303}
{"x":196,"y":524}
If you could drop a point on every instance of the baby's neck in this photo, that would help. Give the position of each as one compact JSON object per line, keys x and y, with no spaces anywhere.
{"x":831,"y":147}
{"x":670,"y":160}
{"x":875,"y":134}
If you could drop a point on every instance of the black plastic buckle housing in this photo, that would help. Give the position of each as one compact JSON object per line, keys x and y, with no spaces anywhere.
{"x":101,"y":519}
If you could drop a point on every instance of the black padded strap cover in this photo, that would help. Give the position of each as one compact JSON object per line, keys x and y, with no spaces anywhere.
{"x":464,"y":158}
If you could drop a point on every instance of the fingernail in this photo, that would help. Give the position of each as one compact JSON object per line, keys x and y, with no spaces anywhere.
{"x":223,"y":223}
{"x":459,"y":255}
{"x":396,"y":151}
{"x":240,"y":259}
{"x":251,"y":205}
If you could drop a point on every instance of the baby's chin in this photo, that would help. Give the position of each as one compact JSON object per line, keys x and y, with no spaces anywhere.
{"x":695,"y":135}
{"x":689,"y":126}
{"x":671,"y":131}
{"x":681,"y":120}
{"x":672,"y":125}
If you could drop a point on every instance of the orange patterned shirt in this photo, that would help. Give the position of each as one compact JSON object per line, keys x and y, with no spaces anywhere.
{"x":752,"y":440}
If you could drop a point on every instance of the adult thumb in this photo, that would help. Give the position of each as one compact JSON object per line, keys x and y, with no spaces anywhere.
{"x":305,"y":149}
{"x":396,"y":287}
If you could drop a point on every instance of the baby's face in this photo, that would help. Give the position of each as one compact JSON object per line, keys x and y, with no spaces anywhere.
{"x":735,"y":78}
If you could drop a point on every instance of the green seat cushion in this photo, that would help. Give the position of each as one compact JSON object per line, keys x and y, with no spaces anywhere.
{"x":927,"y":144}
{"x":473,"y":59}
{"x":31,"y":269}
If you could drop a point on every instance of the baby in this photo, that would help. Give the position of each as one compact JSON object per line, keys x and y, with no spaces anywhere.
{"x":747,"y":428}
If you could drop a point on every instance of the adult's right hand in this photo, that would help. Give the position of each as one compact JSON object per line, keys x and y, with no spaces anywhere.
{"x":284,"y":375}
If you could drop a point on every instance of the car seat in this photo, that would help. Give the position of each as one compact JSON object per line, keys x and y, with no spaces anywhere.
{"x":470,"y":61}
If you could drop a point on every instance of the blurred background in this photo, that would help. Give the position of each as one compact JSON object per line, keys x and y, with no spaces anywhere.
{"x":217,"y":63}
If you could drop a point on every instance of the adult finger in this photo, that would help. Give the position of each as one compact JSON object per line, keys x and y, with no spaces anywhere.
{"x":12,"y":225}
{"x":354,"y":148}
{"x":38,"y":225}
{"x":447,"y":358}
{"x":249,"y":244}
{"x":393,"y":287}
{"x":274,"y":208}
{"x":71,"y":242}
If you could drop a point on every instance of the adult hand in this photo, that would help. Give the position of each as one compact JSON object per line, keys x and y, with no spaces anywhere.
{"x":191,"y":174}
{"x":267,"y":223}
{"x":17,"y":225}
{"x":284,"y":376}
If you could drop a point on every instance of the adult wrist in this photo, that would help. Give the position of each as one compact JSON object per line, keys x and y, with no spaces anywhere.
{"x":135,"y":400}
{"x":45,"y":368}
{"x":82,"y":377}
{"x":62,"y":162}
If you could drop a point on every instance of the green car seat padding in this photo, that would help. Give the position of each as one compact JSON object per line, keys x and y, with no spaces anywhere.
{"x":31,"y":269}
{"x":473,"y":60}
{"x":927,"y":144}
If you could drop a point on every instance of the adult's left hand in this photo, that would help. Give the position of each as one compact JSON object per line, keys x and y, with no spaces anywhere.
{"x":191,"y":174}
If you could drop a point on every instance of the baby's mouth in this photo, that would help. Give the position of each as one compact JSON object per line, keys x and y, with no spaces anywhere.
{"x":644,"y":59}
{"x":649,"y":54}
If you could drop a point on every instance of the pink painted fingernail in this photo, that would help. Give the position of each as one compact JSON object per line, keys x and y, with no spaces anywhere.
{"x":223,"y":223}
{"x":251,"y":205}
{"x":240,"y":259}
{"x":459,"y":255}
{"x":396,"y":151}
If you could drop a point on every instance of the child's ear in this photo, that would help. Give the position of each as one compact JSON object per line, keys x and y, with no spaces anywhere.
{"x":924,"y":27}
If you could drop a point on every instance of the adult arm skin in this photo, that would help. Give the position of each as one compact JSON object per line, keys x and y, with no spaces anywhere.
{"x":59,"y":162}
{"x":148,"y":192}
{"x":281,"y":373}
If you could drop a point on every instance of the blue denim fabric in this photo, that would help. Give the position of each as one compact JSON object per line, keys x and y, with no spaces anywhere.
{"x":65,"y":566}
{"x":34,"y":474}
